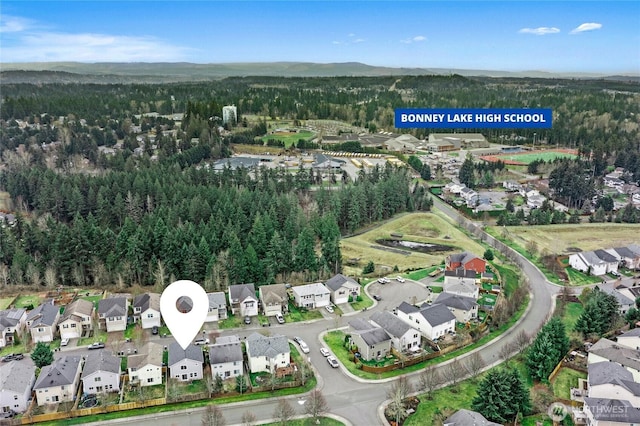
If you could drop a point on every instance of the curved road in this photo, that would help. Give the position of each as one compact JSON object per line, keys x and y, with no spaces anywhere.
{"x":356,"y":400}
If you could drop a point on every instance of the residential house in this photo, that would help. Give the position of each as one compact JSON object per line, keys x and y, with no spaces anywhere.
{"x":112,"y":314}
{"x":43,"y":321}
{"x":145,"y":368}
{"x":267,"y":353}
{"x":243,"y":300}
{"x":311,"y":296}
{"x":373,"y":342}
{"x":470,"y":196}
{"x":76,"y":319}
{"x":431,"y":321}
{"x":625,"y":301}
{"x":326,"y":162}
{"x":16,"y":382}
{"x":274,"y":299}
{"x":511,"y":186}
{"x":463,"y":289}
{"x":225,"y":357}
{"x":185,"y":365}
{"x":610,"y":380}
{"x":146,"y":309}
{"x":454,"y":187}
{"x":626,"y":256}
{"x":341,"y":288}
{"x":12,"y":322}
{"x":101,"y":373}
{"x":59,"y":381}
{"x":460,"y":277}
{"x":463,"y":308}
{"x":467,"y":261}
{"x":217,"y":307}
{"x":610,"y":412}
{"x":597,"y":262}
{"x":607,"y":350}
{"x":468,"y":418}
{"x":630,"y":339}
{"x":404,"y":338}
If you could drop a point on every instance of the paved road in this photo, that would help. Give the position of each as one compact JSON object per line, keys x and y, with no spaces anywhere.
{"x":356,"y":400}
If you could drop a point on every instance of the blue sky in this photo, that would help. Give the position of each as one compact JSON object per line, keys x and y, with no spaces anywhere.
{"x":574,"y":36}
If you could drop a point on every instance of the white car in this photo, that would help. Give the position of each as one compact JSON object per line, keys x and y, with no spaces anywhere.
{"x":400,"y":279}
{"x":324,"y":351}
{"x":279,"y":318}
{"x":303,"y":346}
{"x":64,"y":342}
{"x":329,"y":309}
{"x":333,"y":361}
{"x":201,"y":342}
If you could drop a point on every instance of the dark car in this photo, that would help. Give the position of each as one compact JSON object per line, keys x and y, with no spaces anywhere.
{"x":377,"y":297}
{"x":13,"y":357}
{"x":154,"y":330}
{"x":247,"y":319}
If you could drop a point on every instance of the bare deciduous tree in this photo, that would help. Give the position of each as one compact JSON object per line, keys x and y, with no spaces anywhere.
{"x":474,"y":363}
{"x":506,"y":351}
{"x":453,"y":372}
{"x":50,"y":277}
{"x":398,"y":392}
{"x":248,"y":418}
{"x":213,"y":416}
{"x":283,"y":412}
{"x":522,"y":340}
{"x":430,"y":379}
{"x":4,"y":274}
{"x":316,"y":405}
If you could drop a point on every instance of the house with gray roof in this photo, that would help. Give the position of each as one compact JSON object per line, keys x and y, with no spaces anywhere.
{"x":267,"y":353}
{"x":611,"y":380}
{"x":16,"y":382}
{"x":341,"y":287}
{"x":462,"y":288}
{"x":76,"y":319}
{"x":468,"y":418}
{"x":42,"y":322}
{"x":404,"y":338}
{"x":610,"y":412}
{"x":626,"y":256}
{"x":463,"y":308}
{"x":373,"y":342}
{"x":625,"y":300}
{"x":145,"y":367}
{"x":146,"y":309}
{"x":217,"y":307}
{"x":101,"y":373}
{"x":630,"y":339}
{"x":597,"y":262}
{"x":311,"y":296}
{"x":112,"y":314}
{"x":327,"y":162}
{"x":607,"y":350}
{"x":274,"y":299}
{"x":185,"y":365}
{"x":432,"y":321}
{"x":243,"y":300}
{"x":12,"y":322}
{"x":59,"y":381}
{"x":225,"y":358}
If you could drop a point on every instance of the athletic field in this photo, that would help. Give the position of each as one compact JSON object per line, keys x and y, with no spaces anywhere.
{"x":524,"y":158}
{"x":289,"y":138}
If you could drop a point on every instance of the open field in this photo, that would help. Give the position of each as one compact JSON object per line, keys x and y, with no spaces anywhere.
{"x":529,"y":157}
{"x":289,"y":138}
{"x":564,"y":239}
{"x":5,"y":301}
{"x":420,"y":227}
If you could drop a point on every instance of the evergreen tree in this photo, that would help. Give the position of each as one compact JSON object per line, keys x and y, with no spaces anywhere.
{"x":42,"y":355}
{"x":501,"y":396}
{"x":466,"y":174}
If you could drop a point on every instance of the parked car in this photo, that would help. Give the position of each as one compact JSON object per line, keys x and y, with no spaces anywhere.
{"x":303,"y":346}
{"x":377,"y":297}
{"x":247,"y":319}
{"x":400,"y":279}
{"x":329,"y":308}
{"x":154,"y":330}
{"x":279,"y":318}
{"x":324,"y":351}
{"x":201,"y":341}
{"x":13,"y":357}
{"x":96,"y":345}
{"x":64,"y":342}
{"x":333,"y":361}
{"x":297,"y":339}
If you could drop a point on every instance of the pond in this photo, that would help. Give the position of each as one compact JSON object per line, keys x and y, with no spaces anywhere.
{"x":415,"y":246}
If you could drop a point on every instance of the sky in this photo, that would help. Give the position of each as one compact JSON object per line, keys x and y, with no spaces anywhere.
{"x":572,"y":36}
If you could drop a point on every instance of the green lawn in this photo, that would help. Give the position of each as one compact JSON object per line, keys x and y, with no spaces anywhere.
{"x":566,"y":379}
{"x":572,"y":312}
{"x":445,"y":401}
{"x":98,"y":336}
{"x":297,"y":314}
{"x":26,"y":300}
{"x":20,"y":348}
{"x":578,"y":278}
{"x":324,"y":421}
{"x":421,"y":273}
{"x":547,"y":156}
{"x":148,"y":392}
{"x":487,"y":299}
{"x":366,"y":302}
{"x":289,"y":139}
{"x":509,"y":277}
{"x":93,"y":299}
{"x":5,"y":302}
{"x":435,"y":288}
{"x":231,"y":321}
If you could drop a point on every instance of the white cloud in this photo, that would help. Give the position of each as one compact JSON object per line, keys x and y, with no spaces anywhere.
{"x":351,"y":35}
{"x":358,"y":40}
{"x":13,"y":24}
{"x":415,"y":39}
{"x":336,"y":42}
{"x":87,"y":47}
{"x":587,"y":26}
{"x":540,"y":30}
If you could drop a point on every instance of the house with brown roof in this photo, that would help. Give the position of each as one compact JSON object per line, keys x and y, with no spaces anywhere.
{"x":274,"y":299}
{"x":76,"y":319}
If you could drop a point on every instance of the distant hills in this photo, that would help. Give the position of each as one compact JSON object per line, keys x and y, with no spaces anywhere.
{"x":183,"y":71}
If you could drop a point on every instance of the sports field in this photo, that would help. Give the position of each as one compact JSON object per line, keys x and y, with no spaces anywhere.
{"x":524,"y":158}
{"x":289,"y":138}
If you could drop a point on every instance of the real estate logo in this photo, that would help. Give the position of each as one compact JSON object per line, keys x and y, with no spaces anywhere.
{"x":557,"y":411}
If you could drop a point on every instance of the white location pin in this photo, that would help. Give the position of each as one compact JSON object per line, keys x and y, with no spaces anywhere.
{"x":184,"y":324}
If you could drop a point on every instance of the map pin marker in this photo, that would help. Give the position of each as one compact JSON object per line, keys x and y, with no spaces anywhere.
{"x":184,"y":323}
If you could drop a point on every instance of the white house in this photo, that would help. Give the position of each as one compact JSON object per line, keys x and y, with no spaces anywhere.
{"x":146,"y":309}
{"x":597,"y":262}
{"x":373,"y":342}
{"x":463,"y":289}
{"x":463,"y":308}
{"x":274,"y":299}
{"x":627,"y":256}
{"x":145,"y":367}
{"x":311,"y":296}
{"x":185,"y":365}
{"x":101,"y":373}
{"x":225,"y":357}
{"x":610,"y":380}
{"x":12,"y":322}
{"x":403,"y":337}
{"x":217,"y":307}
{"x":610,"y":412}
{"x":431,"y":321}
{"x":112,"y":314}
{"x":341,"y":288}
{"x":630,"y":339}
{"x":609,"y":351}
{"x":16,"y":382}
{"x":243,"y":300}
{"x":267,"y":353}
{"x":76,"y":318}
{"x":59,"y":381}
{"x":43,"y":321}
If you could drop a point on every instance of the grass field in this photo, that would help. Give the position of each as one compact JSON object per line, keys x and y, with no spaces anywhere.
{"x":566,"y":379}
{"x":560,"y":239}
{"x":27,"y":300}
{"x":572,"y":312}
{"x":579,"y":278}
{"x":421,"y":227}
{"x":289,"y":138}
{"x":4,"y":302}
{"x":542,"y":155}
